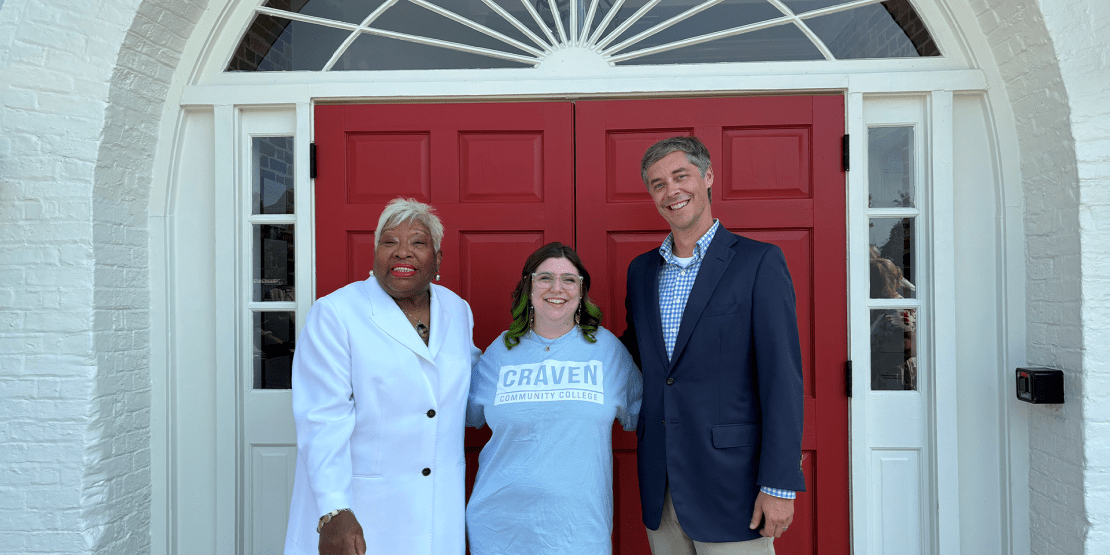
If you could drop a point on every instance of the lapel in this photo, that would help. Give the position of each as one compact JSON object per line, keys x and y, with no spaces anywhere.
{"x":440,"y":320}
{"x":650,"y":295}
{"x":713,"y":266}
{"x":385,"y":314}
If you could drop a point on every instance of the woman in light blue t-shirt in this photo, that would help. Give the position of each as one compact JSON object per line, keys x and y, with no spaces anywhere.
{"x":549,"y":388}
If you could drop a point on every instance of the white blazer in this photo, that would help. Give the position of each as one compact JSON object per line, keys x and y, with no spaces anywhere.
{"x":364,"y":388}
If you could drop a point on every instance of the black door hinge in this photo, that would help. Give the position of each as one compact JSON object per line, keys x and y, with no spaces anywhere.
{"x":848,"y":374}
{"x":312,"y":160}
{"x":844,"y":152}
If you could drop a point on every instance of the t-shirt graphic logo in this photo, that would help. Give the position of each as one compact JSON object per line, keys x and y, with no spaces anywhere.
{"x":551,"y":380}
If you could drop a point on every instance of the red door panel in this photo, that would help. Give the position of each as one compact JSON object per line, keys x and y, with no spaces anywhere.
{"x":499,"y":175}
{"x":776,"y":162}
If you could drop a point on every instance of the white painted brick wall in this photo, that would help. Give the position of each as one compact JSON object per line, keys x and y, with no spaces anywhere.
{"x":83,"y":87}
{"x":146,"y":63}
{"x":48,"y":364}
{"x":82,"y":90}
{"x":1078,"y":31}
{"x":1055,"y":328}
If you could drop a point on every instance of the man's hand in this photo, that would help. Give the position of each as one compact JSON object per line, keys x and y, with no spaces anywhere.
{"x":342,"y":535}
{"x":777,"y":513}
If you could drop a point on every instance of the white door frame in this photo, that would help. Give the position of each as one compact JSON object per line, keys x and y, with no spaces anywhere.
{"x":940,"y":472}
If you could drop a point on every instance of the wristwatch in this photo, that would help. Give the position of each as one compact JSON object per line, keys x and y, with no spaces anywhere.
{"x":327,"y":518}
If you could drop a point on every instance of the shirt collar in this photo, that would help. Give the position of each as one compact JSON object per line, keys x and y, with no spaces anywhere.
{"x":666,"y":250}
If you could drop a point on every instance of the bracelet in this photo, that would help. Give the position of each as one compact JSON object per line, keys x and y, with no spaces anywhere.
{"x":327,"y":518}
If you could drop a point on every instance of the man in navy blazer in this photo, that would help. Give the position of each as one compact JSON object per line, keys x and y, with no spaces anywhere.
{"x":712,"y":324}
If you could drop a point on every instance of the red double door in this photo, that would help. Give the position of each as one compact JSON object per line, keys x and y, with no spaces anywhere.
{"x":508,"y":178}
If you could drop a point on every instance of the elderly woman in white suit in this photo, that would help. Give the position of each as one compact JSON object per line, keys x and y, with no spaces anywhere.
{"x":380,"y":381}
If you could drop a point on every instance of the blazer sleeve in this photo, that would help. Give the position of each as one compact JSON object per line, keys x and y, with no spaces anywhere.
{"x":323,"y":405}
{"x":778,"y":362}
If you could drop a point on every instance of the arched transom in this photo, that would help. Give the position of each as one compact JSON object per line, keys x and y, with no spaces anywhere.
{"x":326,"y":35}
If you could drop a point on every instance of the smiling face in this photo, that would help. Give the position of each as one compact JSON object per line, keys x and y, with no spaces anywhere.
{"x":555,"y":306}
{"x":681,"y":193}
{"x":405,"y":261}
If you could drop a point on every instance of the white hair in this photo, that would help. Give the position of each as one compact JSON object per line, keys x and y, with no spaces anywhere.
{"x":401,"y":210}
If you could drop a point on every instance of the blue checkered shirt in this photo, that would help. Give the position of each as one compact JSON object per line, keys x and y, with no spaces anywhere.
{"x":675,"y":283}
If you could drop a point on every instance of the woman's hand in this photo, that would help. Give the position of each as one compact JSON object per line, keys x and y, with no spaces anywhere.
{"x":342,"y":535}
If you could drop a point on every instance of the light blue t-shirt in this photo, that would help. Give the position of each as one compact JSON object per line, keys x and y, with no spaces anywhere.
{"x":545,"y":479}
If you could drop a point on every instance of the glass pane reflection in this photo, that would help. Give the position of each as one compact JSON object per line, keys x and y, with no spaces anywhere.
{"x":888,"y":30}
{"x":892,"y":258}
{"x":519,"y":12}
{"x":275,"y":336}
{"x":279,"y":44}
{"x":482,"y":14}
{"x":273,"y":263}
{"x":349,"y":11}
{"x":410,"y":19}
{"x":272,"y":161}
{"x":894,"y":350}
{"x":865,"y":32}
{"x":366,"y":54}
{"x":803,"y":6}
{"x":728,"y":14}
{"x":543,"y":7}
{"x":774,"y":44}
{"x":890,"y":172}
{"x":627,"y":8}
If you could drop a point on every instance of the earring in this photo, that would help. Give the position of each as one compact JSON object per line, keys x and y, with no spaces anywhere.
{"x":437,"y":277}
{"x":531,"y":317}
{"x":371,"y":273}
{"x":578,"y":315}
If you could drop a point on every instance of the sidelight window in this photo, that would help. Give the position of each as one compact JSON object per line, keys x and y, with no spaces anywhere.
{"x":273,"y":285}
{"x":892,"y":246}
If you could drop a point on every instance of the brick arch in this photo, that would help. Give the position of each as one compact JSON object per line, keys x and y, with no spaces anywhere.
{"x":1025,"y":56}
{"x":149,"y":52}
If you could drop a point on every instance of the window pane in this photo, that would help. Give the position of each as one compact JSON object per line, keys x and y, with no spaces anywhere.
{"x":273,"y":263}
{"x":779,"y":43}
{"x":275,"y":336}
{"x":481,"y":13}
{"x":349,"y":11}
{"x":729,"y":14}
{"x":803,"y":6}
{"x":902,"y":12}
{"x":272,"y":161}
{"x":627,"y":8}
{"x":410,"y":19}
{"x":894,"y":350}
{"x":890,"y":172}
{"x":373,"y":52}
{"x":279,"y":44}
{"x":888,"y":30}
{"x":543,"y":8}
{"x":519,"y":12}
{"x":892,"y":258}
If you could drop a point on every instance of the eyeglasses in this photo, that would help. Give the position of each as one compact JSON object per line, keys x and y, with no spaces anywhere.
{"x":545,"y":280}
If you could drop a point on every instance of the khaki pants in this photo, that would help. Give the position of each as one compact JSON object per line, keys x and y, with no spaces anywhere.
{"x":670,"y":539}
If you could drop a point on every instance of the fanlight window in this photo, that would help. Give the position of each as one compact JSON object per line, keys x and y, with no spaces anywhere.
{"x":326,"y":35}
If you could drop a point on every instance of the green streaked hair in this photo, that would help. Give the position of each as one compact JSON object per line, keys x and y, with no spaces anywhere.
{"x":590,"y":314}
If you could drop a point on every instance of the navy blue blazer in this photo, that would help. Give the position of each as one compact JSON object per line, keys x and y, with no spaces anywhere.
{"x":724,"y":415}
